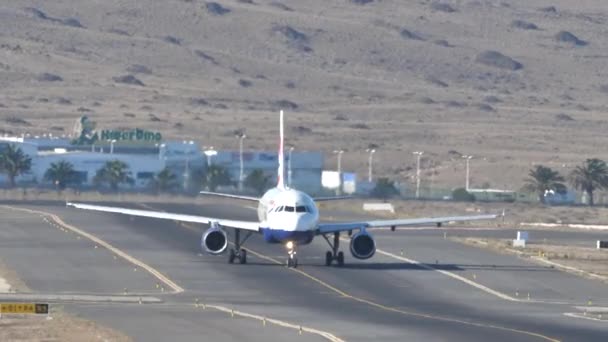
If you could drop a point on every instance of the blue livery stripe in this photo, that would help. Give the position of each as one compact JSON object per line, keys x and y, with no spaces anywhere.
{"x":282,"y":236}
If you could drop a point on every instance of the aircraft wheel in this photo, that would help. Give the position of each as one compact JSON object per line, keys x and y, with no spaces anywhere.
{"x":288,"y":262}
{"x":294,"y":262}
{"x":243,"y":257}
{"x":340,"y":259}
{"x":328,"y":258}
{"x":231,"y":256}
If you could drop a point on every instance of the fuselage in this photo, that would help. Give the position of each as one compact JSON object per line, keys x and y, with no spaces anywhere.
{"x":287,"y":215}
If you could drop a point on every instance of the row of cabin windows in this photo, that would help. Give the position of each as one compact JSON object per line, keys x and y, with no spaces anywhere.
{"x":297,"y":209}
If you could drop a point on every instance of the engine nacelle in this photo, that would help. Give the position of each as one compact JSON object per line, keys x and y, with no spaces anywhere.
{"x":362,"y":246}
{"x":215,"y":240}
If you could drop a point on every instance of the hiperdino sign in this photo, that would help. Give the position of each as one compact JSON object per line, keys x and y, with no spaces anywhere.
{"x":135,"y":135}
{"x":86,"y":134}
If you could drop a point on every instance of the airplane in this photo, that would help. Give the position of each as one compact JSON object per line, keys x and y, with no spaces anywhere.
{"x":285,"y":216}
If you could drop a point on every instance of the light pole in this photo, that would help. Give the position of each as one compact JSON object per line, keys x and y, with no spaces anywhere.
{"x":468,"y":159}
{"x":210,"y":153}
{"x":187,"y":174}
{"x":112,"y":146}
{"x":161,"y":151}
{"x":418,"y":155}
{"x":289,"y":166}
{"x":339,"y":153}
{"x":241,"y":137}
{"x":370,"y":163}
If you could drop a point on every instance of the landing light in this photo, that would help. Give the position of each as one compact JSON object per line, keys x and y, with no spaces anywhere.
{"x":289,"y":245}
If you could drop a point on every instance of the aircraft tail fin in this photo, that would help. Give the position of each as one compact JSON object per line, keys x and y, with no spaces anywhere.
{"x":281,"y":156}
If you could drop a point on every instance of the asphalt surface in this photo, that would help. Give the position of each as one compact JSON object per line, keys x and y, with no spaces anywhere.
{"x":384,"y":298}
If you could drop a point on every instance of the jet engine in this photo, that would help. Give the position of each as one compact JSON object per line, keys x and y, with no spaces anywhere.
{"x":362,"y":245}
{"x":215,"y":240}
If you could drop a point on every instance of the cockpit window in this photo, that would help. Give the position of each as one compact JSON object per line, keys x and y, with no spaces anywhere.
{"x":289,"y":209}
{"x":301,"y":209}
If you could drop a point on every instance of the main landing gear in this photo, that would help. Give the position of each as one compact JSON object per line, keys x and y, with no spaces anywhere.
{"x":292,"y":260}
{"x":332,"y":255}
{"x":238,"y":253}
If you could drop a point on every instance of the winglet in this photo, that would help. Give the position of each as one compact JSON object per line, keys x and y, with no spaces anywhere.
{"x":281,"y":156}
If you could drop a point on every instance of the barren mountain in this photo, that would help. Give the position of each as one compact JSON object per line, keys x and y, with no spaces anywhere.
{"x":494,"y":79}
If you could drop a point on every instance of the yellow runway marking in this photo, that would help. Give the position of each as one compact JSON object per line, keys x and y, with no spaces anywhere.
{"x":176,"y":288}
{"x":388,"y":308}
{"x":264,"y":319}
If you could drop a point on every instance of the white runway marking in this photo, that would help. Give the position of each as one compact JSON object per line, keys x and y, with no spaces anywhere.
{"x":454,"y":276}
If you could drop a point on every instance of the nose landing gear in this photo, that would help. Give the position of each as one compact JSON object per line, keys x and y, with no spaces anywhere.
{"x":292,"y":260}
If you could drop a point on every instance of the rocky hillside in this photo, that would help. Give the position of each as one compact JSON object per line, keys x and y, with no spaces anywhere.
{"x":511,"y":82}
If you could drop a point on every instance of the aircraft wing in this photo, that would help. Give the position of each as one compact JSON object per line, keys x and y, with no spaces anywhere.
{"x":219,"y":194}
{"x":246,"y":225}
{"x":325,"y":228}
{"x":334,"y":198}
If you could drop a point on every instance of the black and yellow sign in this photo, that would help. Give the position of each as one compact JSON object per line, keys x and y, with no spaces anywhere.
{"x":23,"y":308}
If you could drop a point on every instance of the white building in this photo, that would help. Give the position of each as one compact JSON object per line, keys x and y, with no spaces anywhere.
{"x":184,"y":158}
{"x":144,"y":161}
{"x":306,"y":167}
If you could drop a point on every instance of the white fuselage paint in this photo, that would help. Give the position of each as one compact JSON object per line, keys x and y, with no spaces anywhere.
{"x":282,"y":211}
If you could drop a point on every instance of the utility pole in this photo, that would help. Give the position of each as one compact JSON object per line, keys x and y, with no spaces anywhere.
{"x":418,"y":156}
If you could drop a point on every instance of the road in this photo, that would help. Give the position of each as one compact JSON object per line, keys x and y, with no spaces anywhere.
{"x":459,"y":293}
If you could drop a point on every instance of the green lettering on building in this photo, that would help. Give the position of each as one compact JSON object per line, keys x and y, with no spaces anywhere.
{"x":87,"y":135}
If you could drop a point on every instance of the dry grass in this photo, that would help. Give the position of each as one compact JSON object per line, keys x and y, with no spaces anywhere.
{"x":515,"y":213}
{"x":347,"y":60}
{"x":62,"y":327}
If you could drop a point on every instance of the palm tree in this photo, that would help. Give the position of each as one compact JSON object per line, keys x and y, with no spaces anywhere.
{"x":385,"y":188}
{"x":13,"y":162}
{"x":61,"y":174}
{"x":258,"y":181}
{"x":590,"y":176}
{"x":114,"y":172}
{"x":542,"y":180}
{"x":216,"y":176}
{"x":165,"y":180}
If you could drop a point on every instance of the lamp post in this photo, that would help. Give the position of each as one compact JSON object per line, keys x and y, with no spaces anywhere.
{"x":370,"y":163}
{"x":112,"y":146}
{"x":210,"y":153}
{"x":339,"y":153}
{"x":161,"y":151}
{"x":291,"y":148}
{"x":187,"y":174}
{"x":241,"y":137}
{"x":467,"y":179}
{"x":418,"y":155}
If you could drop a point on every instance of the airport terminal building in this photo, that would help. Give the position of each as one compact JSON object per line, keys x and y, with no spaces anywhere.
{"x":146,"y":154}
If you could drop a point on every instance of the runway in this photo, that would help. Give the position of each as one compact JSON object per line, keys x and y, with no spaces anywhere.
{"x":385,"y":298}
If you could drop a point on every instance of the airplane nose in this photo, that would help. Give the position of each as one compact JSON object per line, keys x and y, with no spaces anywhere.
{"x":303,"y":222}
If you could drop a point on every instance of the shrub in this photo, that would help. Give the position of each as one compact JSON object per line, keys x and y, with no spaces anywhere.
{"x":462,"y":195}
